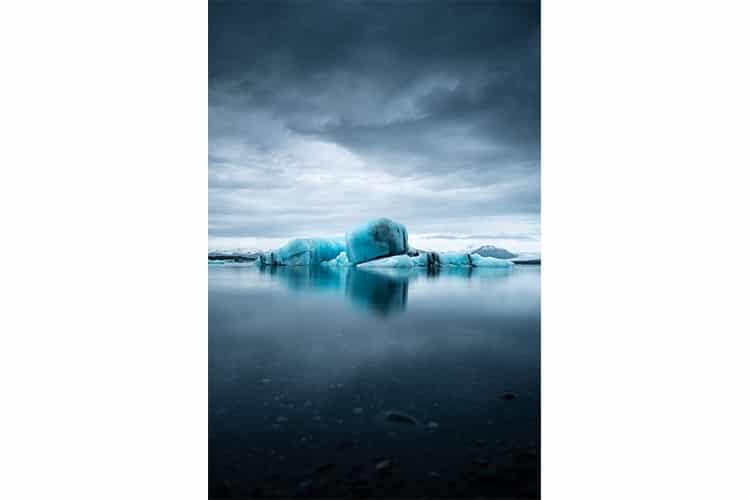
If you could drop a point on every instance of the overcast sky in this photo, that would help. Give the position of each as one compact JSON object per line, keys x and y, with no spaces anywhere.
{"x":324,"y":115}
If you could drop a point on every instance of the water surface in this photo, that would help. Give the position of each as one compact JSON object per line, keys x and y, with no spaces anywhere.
{"x":306,"y":363}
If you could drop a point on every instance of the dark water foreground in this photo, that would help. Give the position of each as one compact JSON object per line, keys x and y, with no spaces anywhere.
{"x":352,"y":383}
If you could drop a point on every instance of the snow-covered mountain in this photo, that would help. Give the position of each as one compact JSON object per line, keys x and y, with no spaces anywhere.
{"x":493,"y":251}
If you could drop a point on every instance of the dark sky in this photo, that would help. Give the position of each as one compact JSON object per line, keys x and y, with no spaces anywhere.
{"x":322,"y":115}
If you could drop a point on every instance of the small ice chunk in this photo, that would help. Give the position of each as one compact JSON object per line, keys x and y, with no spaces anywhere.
{"x":479,"y":261}
{"x":383,"y":465}
{"x":469,"y":260}
{"x":401,"y":261}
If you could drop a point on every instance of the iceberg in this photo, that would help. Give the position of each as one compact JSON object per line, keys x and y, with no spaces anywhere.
{"x":303,"y":252}
{"x":479,"y":261}
{"x":309,"y":251}
{"x":528,"y":258}
{"x":455,"y":259}
{"x":432,"y":259}
{"x":376,"y":239}
{"x":402,"y":261}
{"x":380,"y":243}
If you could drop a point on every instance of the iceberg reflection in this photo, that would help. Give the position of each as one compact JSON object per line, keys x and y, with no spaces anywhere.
{"x":380,"y":291}
{"x":316,"y":278}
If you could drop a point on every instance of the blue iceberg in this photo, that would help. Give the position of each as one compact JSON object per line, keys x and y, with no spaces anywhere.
{"x":479,"y":261}
{"x":455,"y":259}
{"x":402,"y":261}
{"x":458,"y":259}
{"x":381,"y":243}
{"x":376,"y":239}
{"x":303,"y":252}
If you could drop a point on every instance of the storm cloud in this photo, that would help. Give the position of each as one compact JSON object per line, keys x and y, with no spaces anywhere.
{"x":322,"y":115}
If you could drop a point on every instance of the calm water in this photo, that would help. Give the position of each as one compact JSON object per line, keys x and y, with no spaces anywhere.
{"x":306,"y":363}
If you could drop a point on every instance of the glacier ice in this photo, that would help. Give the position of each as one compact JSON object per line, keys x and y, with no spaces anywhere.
{"x":402,"y":261}
{"x":341,"y":260}
{"x":380,"y":243}
{"x":471,"y":260}
{"x":303,"y":252}
{"x":454,"y":259}
{"x":479,"y":261}
{"x":376,"y":239}
{"x":426,"y":259}
{"x":432,"y":259}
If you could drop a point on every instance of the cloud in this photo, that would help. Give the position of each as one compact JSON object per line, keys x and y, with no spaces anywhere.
{"x":506,"y":236}
{"x":322,"y":115}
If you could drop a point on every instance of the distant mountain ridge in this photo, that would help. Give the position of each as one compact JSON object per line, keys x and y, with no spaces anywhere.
{"x":237,"y":255}
{"x":493,"y":251}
